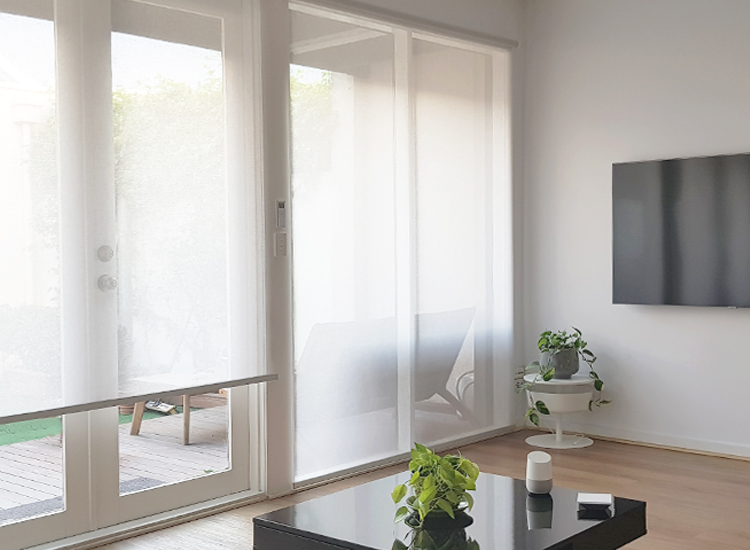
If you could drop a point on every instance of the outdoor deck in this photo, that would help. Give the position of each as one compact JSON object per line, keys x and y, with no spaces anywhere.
{"x":31,"y":479}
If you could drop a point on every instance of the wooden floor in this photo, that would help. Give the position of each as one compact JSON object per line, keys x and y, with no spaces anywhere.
{"x":693,"y":502}
{"x":31,"y":472}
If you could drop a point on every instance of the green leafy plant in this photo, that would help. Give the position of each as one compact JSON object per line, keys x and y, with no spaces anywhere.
{"x":438,"y":483}
{"x":552,"y":343}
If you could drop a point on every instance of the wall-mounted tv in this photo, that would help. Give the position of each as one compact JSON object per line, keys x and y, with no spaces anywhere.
{"x":681,"y":231}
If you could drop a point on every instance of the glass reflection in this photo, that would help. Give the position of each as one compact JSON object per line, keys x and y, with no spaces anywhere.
{"x":539,"y":511}
{"x":445,"y":539}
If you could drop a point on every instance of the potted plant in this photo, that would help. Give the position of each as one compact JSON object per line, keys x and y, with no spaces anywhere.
{"x":560,"y":358}
{"x":440,"y":488}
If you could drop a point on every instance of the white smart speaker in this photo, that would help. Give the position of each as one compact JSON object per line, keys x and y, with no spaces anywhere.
{"x":538,"y":473}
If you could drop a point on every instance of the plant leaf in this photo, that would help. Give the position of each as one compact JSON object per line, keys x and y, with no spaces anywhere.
{"x":452,"y":497}
{"x":429,"y":482}
{"x":548,"y":375}
{"x":446,"y":507}
{"x":534,"y":418}
{"x":414,"y":478}
{"x":427,"y":495}
{"x":401,"y":513}
{"x":598,"y":384}
{"x":469,"y":500}
{"x":470,"y":468}
{"x":398,"y":545}
{"x":541,"y":407}
{"x":448,"y":473}
{"x":398,"y":493}
{"x":604,"y":402}
{"x":590,"y":404}
{"x":543,"y":341}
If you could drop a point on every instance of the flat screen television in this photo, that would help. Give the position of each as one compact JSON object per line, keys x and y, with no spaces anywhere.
{"x":681,"y":231}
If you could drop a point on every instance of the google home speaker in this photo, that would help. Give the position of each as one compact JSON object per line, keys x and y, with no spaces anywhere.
{"x":538,"y":473}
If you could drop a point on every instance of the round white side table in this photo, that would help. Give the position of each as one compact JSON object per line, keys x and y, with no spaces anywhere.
{"x":561,"y":397}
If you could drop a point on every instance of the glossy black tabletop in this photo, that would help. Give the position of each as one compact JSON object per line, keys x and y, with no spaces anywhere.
{"x":505,"y":517}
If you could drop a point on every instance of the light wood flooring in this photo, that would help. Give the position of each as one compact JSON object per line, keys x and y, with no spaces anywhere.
{"x":693,"y":502}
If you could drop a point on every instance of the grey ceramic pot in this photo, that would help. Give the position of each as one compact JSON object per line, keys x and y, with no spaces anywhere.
{"x":565,"y":362}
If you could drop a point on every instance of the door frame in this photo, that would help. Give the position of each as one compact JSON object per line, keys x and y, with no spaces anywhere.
{"x":238,"y":21}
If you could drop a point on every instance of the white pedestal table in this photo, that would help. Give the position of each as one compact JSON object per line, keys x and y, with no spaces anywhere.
{"x":562,"y":396}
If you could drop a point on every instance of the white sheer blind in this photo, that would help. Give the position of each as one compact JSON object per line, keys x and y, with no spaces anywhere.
{"x":395,"y":182}
{"x":30,"y":339}
{"x":131,"y":270}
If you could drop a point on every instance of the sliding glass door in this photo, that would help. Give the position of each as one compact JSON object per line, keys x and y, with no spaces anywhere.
{"x":401,"y":240}
{"x":344,"y":237}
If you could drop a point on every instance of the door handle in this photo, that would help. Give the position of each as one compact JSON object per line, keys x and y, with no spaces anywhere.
{"x":106,"y":283}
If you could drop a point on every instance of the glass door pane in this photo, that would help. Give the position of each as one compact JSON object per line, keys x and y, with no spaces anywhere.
{"x":342,"y":94}
{"x":171,"y":206}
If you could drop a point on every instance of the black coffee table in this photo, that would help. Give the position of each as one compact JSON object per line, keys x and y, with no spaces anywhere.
{"x":505,"y":518}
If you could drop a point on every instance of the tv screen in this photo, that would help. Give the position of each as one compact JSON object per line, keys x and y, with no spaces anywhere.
{"x":681,"y":231}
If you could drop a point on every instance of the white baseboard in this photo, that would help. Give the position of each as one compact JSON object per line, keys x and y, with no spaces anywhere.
{"x":665,"y":441}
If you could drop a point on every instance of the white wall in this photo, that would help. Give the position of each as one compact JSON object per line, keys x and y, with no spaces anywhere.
{"x":500,"y":18}
{"x":620,"y":80}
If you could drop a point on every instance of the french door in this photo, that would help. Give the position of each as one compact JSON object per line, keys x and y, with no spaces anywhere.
{"x":148,"y":253}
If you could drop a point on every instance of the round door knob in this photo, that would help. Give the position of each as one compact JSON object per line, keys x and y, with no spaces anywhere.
{"x":107,"y":283}
{"x":105,"y":253}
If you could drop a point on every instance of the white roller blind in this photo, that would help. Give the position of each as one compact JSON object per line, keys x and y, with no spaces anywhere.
{"x":342,"y":83}
{"x":131,"y":270}
{"x":30,"y":305}
{"x":401,"y":317}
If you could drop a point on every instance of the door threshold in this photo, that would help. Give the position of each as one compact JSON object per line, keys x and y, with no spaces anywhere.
{"x":132,"y":528}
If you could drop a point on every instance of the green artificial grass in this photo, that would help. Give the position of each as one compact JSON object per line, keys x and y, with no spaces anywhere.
{"x":30,"y":430}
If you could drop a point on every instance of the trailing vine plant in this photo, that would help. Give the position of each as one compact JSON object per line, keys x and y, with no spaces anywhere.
{"x":552,"y":343}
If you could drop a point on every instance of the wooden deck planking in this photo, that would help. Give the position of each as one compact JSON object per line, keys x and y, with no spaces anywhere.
{"x":158,"y":452}
{"x":31,"y":471}
{"x":27,"y":482}
{"x":28,"y":468}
